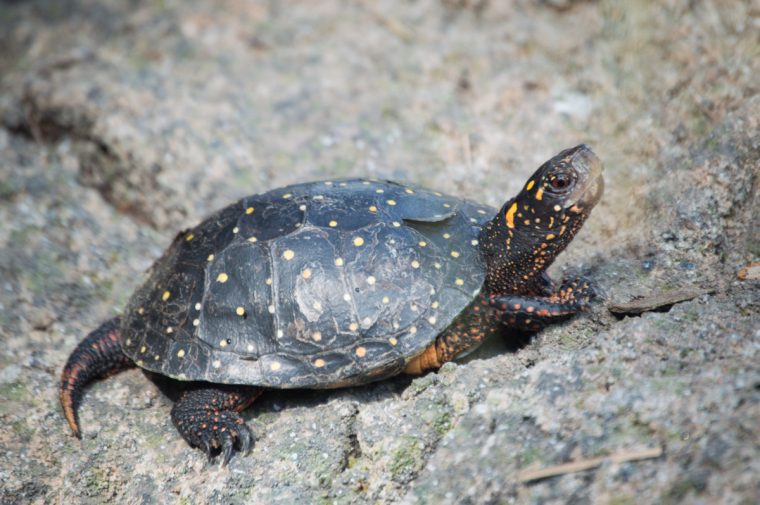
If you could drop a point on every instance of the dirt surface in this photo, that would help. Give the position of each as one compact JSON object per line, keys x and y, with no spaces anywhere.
{"x":123,"y":122}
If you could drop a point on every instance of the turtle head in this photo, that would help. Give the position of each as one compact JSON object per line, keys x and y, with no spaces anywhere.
{"x":530,"y":230}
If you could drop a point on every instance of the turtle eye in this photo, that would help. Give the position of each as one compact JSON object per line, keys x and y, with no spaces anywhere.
{"x":561,"y":181}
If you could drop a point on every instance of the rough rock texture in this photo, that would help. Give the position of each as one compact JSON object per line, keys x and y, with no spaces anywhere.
{"x":122,"y":122}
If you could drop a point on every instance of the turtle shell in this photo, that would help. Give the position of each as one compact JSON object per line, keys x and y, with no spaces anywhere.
{"x":313,"y":285}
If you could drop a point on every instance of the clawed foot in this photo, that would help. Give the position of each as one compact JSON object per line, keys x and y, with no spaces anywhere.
{"x":208,"y":419}
{"x":533,"y":313}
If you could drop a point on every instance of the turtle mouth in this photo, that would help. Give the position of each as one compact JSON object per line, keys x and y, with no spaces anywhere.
{"x":589,"y":168}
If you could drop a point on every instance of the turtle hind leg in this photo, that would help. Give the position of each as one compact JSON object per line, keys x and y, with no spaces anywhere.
{"x":209,"y":418}
{"x":98,"y":355}
{"x":533,"y":313}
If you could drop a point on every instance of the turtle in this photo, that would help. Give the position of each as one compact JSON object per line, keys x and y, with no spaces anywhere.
{"x":338,"y":283}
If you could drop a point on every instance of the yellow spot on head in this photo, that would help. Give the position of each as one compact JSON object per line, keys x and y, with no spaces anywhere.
{"x":371,"y":280}
{"x":223,"y":343}
{"x":166,"y":295}
{"x":539,"y":193}
{"x":275,"y":366}
{"x":434,"y":305}
{"x":222,"y":277}
{"x":386,"y":299}
{"x":510,"y":215}
{"x":413,"y":330}
{"x":459,"y":282}
{"x":338,"y":262}
{"x":288,"y":254}
{"x":432,"y":319}
{"x":306,"y":273}
{"x":392,"y":341}
{"x":268,"y":281}
{"x":474,"y":242}
{"x":530,"y":185}
{"x":240,"y":311}
{"x":140,"y":310}
{"x":415,"y":264}
{"x":196,"y":322}
{"x":189,"y":237}
{"x":333,"y":223}
{"x":210,"y":257}
{"x":317,"y":336}
{"x":249,"y":210}
{"x":235,"y":229}
{"x":319,"y":362}
{"x":216,"y":363}
{"x":181,"y":353}
{"x":353,"y":326}
{"x":358,"y":241}
{"x":252,"y":239}
{"x":454,"y":254}
{"x":361,"y":352}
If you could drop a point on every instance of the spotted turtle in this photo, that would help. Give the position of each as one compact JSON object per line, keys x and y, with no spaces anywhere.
{"x":338,"y":283}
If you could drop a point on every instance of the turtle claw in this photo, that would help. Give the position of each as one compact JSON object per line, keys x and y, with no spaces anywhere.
{"x":208,"y":419}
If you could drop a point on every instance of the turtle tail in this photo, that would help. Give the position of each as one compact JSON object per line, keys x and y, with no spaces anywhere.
{"x":98,"y":355}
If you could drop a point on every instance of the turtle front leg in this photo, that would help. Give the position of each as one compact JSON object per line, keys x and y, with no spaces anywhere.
{"x":533,"y":313}
{"x":209,"y":418}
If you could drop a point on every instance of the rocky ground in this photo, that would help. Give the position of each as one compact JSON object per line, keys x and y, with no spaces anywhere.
{"x":122,"y":122}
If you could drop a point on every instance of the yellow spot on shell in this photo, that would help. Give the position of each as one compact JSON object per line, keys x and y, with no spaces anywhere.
{"x":333,"y":223}
{"x":474,"y":242}
{"x":317,"y":306}
{"x":372,"y":208}
{"x":358,"y":241}
{"x":386,"y":300}
{"x":396,"y":224}
{"x":189,"y":237}
{"x":268,"y":281}
{"x":447,"y":235}
{"x":379,"y":191}
{"x":550,"y":236}
{"x":557,"y":208}
{"x":253,"y":239}
{"x":371,"y":280}
{"x":210,"y":257}
{"x":198,"y":306}
{"x":434,"y":305}
{"x":319,"y":362}
{"x":432,"y":319}
{"x":196,"y":322}
{"x":422,"y":243}
{"x":447,"y":206}
{"x":169,"y":330}
{"x":235,"y":229}
{"x":249,"y":210}
{"x":338,"y":262}
{"x":361,"y":352}
{"x":143,"y":349}
{"x":454,"y":254}
{"x":415,"y":264}
{"x":353,"y":326}
{"x":413,"y":330}
{"x":510,"y":215}
{"x":275,"y":366}
{"x":530,"y":185}
{"x":391,"y":202}
{"x":222,"y":277}
{"x":286,"y":195}
{"x":539,"y":193}
{"x":141,"y":311}
{"x":223,"y":343}
{"x":181,"y":353}
{"x":459,"y":282}
{"x":216,"y":363}
{"x":317,"y":336}
{"x":392,"y":341}
{"x":409,"y":190}
{"x":240,"y":311}
{"x":166,"y":295}
{"x":306,"y":274}
{"x":156,"y":357}
{"x":288,"y":254}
